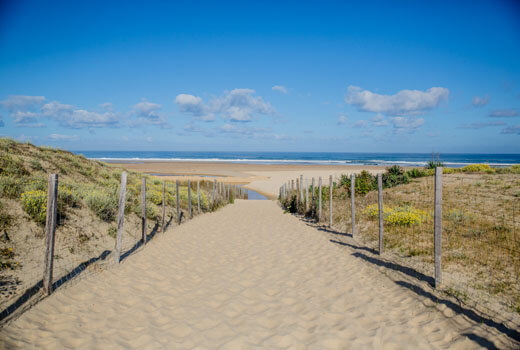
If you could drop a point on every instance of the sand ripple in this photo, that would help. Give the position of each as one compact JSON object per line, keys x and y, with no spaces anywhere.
{"x":245,"y":277}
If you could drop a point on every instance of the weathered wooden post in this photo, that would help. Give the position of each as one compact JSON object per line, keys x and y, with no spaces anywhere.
{"x":198,"y":196}
{"x":381,"y":212}
{"x":438,"y":227}
{"x":178,"y":207}
{"x":214,"y":190}
{"x":189,"y":198}
{"x":163,"y":206}
{"x":297,"y":194}
{"x":301,"y":190}
{"x":319,"y":201}
{"x":330,"y":200}
{"x":353,"y":202}
{"x":306,"y":194}
{"x":50,"y":230}
{"x":120,"y":217}
{"x":143,"y":210}
{"x":313,"y":197}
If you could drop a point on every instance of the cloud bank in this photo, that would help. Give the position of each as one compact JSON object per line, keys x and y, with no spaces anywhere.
{"x":405,"y":102}
{"x":238,"y":105}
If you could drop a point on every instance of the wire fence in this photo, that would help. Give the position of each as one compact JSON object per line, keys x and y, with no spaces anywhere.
{"x":479,"y":232}
{"x":86,"y":229}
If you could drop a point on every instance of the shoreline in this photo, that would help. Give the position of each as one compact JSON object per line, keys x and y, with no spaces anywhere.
{"x":265,"y":179}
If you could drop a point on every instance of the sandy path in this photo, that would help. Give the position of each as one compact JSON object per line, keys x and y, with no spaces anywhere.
{"x":247,"y":276}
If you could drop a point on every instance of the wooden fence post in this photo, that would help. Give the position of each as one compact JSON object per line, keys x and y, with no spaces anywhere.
{"x":198,"y":196}
{"x":306,"y":194}
{"x":381,"y":212}
{"x":312,"y":196}
{"x":143,"y":210}
{"x":438,"y":227}
{"x":50,"y":230}
{"x":178,"y":207}
{"x":353,"y":202}
{"x":301,"y":189}
{"x":120,"y":217}
{"x":189,"y":198}
{"x":319,"y":201}
{"x":330,"y":200}
{"x":297,"y":193}
{"x":214,"y":190}
{"x":163,"y":204}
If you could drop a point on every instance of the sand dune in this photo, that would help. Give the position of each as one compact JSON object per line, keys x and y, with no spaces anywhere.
{"x":234,"y":280}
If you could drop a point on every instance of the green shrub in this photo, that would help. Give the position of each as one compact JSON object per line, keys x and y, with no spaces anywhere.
{"x":365,"y":182}
{"x":406,"y":216}
{"x":11,"y":166}
{"x":11,"y":187}
{"x":34,"y":203}
{"x":398,"y":216}
{"x":112,"y":231}
{"x":415,"y":173}
{"x":36,"y":165}
{"x":395,"y":170}
{"x":103,"y":204}
{"x":476,"y":168}
{"x":6,"y":220}
{"x":432,"y":164}
{"x":67,"y":196}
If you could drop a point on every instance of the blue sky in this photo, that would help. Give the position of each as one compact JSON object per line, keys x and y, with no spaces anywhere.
{"x":404,"y":76}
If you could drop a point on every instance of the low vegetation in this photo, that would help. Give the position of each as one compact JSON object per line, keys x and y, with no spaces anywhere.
{"x":481,"y":226}
{"x":88,"y":195}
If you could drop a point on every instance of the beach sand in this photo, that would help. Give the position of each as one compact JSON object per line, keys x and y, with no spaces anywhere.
{"x":245,"y":277}
{"x":263,"y":178}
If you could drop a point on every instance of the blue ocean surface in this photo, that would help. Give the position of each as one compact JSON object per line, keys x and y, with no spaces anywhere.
{"x":327,"y":158}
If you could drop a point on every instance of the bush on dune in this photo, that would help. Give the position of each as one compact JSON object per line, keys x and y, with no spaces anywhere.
{"x":103,"y":204}
{"x":34,"y":203}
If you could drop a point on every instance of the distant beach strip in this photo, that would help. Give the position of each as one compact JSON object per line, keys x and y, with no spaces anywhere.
{"x":454,"y":160}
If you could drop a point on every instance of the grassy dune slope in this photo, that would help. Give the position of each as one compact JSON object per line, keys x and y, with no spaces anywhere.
{"x":87,"y":210}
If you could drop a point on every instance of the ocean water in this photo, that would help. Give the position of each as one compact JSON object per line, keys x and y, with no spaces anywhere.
{"x":328,"y":158}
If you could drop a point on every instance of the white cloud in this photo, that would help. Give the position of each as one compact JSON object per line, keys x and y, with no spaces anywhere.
{"x":342,"y":119}
{"x":22,"y":102}
{"x":193,"y":105}
{"x":237,"y":105}
{"x":478,"y":125}
{"x":379,"y":120}
{"x":107,"y":106}
{"x":148,"y":113}
{"x":242,"y":131}
{"x":24,"y":109}
{"x":59,"y":137}
{"x":504,"y":113}
{"x":31,"y":125}
{"x":145,"y":108}
{"x":360,"y":124}
{"x":56,"y":110}
{"x":27,"y":111}
{"x":280,"y":88}
{"x":23,"y":117}
{"x":81,"y":118}
{"x":405,"y":102}
{"x":478,"y":101}
{"x":407,"y":123}
{"x":513,"y":129}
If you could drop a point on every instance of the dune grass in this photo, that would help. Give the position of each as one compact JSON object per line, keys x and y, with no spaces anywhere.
{"x":481,"y":227}
{"x":88,"y":195}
